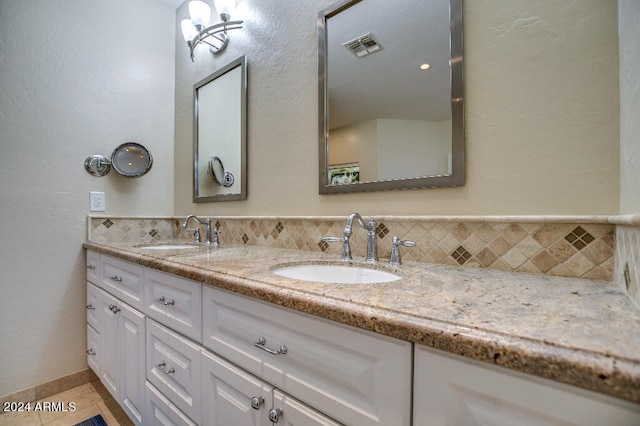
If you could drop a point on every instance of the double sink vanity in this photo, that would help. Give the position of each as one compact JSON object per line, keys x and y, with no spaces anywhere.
{"x":185,"y":333}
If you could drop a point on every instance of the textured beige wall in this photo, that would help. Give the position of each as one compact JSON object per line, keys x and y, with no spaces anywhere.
{"x":629,"y":28}
{"x":542,"y":114}
{"x":76,"y":78}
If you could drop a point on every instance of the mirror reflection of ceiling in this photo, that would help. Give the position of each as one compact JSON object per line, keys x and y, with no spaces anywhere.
{"x":359,"y":89}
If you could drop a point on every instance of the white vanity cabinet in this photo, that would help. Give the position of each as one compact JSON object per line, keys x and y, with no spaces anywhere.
{"x":121,"y":355}
{"x":452,"y":390}
{"x":122,"y":279}
{"x":351,"y":375}
{"x":236,"y":397}
{"x":173,"y":367}
{"x":175,"y":302}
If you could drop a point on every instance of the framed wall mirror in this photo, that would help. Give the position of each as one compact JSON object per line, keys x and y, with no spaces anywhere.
{"x":390,"y":82}
{"x":220,"y":135}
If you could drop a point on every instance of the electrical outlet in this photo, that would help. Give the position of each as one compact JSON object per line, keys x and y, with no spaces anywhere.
{"x":97,"y":202}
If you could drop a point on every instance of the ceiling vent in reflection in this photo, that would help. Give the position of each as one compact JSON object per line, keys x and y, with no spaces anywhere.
{"x":363,"y":45}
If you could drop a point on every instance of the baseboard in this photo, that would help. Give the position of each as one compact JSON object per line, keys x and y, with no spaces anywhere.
{"x":52,"y":387}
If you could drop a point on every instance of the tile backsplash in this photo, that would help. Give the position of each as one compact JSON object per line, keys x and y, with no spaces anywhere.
{"x":627,"y":271}
{"x":554,"y":246}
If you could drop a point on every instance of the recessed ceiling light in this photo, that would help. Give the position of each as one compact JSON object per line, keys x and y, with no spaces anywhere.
{"x":425,"y":67}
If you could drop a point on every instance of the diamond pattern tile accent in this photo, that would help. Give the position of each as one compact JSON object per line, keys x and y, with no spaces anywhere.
{"x":584,"y":250}
{"x":461,"y":255}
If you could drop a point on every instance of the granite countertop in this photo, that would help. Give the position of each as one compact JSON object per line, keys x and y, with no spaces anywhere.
{"x":576,"y":331}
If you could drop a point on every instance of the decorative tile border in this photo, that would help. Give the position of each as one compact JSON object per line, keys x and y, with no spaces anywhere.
{"x":583,"y":247}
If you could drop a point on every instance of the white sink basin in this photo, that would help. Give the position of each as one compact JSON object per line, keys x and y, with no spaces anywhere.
{"x":168,"y":246}
{"x":341,"y":274}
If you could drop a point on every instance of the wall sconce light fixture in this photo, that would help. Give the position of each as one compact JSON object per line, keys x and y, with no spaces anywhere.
{"x":196,"y":29}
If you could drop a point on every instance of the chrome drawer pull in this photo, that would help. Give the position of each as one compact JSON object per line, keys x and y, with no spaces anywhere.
{"x":256,"y":402}
{"x":274,"y":414}
{"x":91,"y":307}
{"x":164,"y":370}
{"x":262,"y":342}
{"x":115,"y":278}
{"x":91,"y":267}
{"x":91,"y":352}
{"x":114,"y":309}
{"x":164,"y":301}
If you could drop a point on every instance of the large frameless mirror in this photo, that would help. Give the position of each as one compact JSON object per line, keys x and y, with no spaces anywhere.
{"x":390,"y":95}
{"x":220,"y":138}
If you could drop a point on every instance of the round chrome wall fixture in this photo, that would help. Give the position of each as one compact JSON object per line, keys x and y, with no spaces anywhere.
{"x":129,"y":160}
{"x":217,"y":174}
{"x":97,"y":165}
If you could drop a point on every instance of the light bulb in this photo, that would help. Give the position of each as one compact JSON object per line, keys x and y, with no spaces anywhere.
{"x":225,"y":8}
{"x":200,"y":13}
{"x":188,"y":30}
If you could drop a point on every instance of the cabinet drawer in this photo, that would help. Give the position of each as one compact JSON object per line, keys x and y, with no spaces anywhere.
{"x":162,"y":412}
{"x":296,"y":413}
{"x":92,"y":305}
{"x":123,"y":280}
{"x":93,"y":262}
{"x":229,"y":391}
{"x":352,"y":375}
{"x":450,"y":389}
{"x":174,"y":302}
{"x":93,"y":348}
{"x":173,"y":367}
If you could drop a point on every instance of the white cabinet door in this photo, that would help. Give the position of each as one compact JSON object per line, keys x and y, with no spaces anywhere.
{"x":161,"y":412}
{"x":122,"y":279}
{"x":174,"y":302}
{"x":93,"y":260}
{"x":174,"y":368}
{"x":229,"y":392}
{"x":93,"y":347}
{"x":121,"y":352}
{"x":452,"y":390}
{"x":294,"y":413}
{"x":352,"y":375}
{"x":132,"y":370}
{"x":109,"y":355}
{"x":92,"y":303}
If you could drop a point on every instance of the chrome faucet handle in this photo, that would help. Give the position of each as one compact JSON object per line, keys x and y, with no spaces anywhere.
{"x":346,"y":249}
{"x":216,"y":238}
{"x":395,"y":259}
{"x":196,"y":234}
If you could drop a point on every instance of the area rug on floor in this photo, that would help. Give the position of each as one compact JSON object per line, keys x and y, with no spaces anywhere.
{"x":93,"y":421}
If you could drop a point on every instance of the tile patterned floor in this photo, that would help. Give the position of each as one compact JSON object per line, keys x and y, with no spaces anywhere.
{"x":90,"y":400}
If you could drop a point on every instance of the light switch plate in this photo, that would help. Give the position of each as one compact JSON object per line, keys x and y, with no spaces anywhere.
{"x":97,"y":202}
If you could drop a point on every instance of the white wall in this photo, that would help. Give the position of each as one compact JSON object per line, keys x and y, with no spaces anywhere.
{"x":77,"y":77}
{"x":629,"y":28}
{"x":541,"y":108}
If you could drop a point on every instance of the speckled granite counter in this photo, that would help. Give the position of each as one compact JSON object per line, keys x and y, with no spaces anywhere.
{"x":575,"y":331}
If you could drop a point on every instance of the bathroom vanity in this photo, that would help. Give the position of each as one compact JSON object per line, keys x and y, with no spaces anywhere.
{"x":212,"y":336}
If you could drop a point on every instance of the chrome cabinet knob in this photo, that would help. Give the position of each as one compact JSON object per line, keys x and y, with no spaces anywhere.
{"x":166,"y":302}
{"x":91,"y":267}
{"x":91,"y":352}
{"x":116,"y":278}
{"x":114,"y":309}
{"x":162,"y":368}
{"x":275,"y":414}
{"x":256,"y":402}
{"x":91,"y":307}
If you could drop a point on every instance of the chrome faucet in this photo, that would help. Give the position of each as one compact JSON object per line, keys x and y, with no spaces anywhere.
{"x":395,"y":259}
{"x":196,"y":230}
{"x":372,"y":242}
